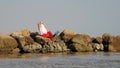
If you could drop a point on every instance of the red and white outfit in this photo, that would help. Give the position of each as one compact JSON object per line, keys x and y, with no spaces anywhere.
{"x":44,"y":32}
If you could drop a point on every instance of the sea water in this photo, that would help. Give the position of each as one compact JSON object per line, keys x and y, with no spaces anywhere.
{"x":61,"y":60}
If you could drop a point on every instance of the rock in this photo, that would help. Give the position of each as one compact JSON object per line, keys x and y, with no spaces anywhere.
{"x":32,"y":48}
{"x":114,"y":46}
{"x":22,"y":39}
{"x":16,"y":51}
{"x":60,"y":46}
{"x":28,"y":40}
{"x":111,"y":43}
{"x":80,"y":42}
{"x":47,"y":44}
{"x":42,"y":40}
{"x":57,"y":38}
{"x":81,"y":38}
{"x":77,"y":47}
{"x":97,"y":47}
{"x":97,"y":44}
{"x":33,"y":35}
{"x":25,"y":32}
{"x":66,"y":35}
{"x":26,"y":43}
{"x":107,"y":39}
{"x":16,"y":34}
{"x":7,"y":43}
{"x":98,"y":40}
{"x":50,"y":46}
{"x":25,"y":40}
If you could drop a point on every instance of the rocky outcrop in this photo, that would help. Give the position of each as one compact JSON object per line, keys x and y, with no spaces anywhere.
{"x":7,"y":43}
{"x":33,"y":42}
{"x":50,"y":46}
{"x":26,"y":43}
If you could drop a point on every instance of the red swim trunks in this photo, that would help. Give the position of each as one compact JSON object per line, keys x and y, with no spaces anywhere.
{"x":48,"y":35}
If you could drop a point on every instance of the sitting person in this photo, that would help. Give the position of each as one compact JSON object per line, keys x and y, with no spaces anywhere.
{"x":43,"y":31}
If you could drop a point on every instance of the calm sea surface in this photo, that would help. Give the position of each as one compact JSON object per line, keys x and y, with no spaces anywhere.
{"x":63,"y":60}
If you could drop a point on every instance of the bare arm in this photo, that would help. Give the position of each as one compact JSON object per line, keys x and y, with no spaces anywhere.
{"x":39,"y":23}
{"x":44,"y":24}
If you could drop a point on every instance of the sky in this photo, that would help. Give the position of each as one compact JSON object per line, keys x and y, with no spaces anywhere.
{"x":92,"y":17}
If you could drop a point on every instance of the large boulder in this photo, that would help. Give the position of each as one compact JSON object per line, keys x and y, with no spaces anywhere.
{"x":80,"y":42}
{"x":33,"y":35}
{"x":7,"y":43}
{"x":50,"y":46}
{"x":97,"y":44}
{"x":107,"y":39}
{"x":82,"y":39}
{"x":76,"y":47}
{"x":26,"y":43}
{"x":114,"y":46}
{"x":66,"y":35}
